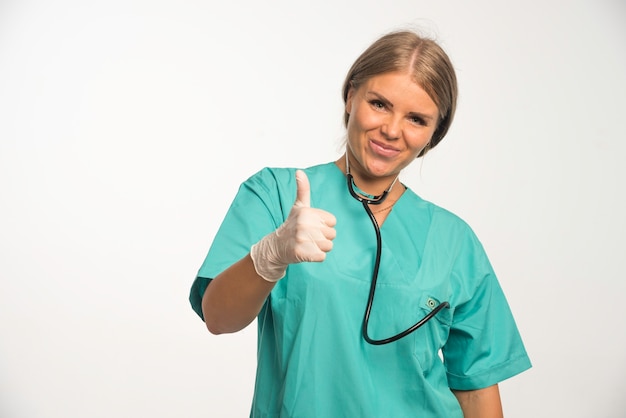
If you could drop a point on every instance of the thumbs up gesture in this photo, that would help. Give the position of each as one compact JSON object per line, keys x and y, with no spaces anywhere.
{"x":306,"y":235}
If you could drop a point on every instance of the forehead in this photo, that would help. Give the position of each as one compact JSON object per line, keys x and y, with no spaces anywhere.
{"x":400,"y":89}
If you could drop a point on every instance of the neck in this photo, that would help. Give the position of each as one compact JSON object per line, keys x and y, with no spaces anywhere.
{"x":365,"y":184}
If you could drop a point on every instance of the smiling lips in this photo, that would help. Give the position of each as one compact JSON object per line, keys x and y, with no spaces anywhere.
{"x":382,"y":149}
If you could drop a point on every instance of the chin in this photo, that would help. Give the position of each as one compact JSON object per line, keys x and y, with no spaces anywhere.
{"x":382,"y":172}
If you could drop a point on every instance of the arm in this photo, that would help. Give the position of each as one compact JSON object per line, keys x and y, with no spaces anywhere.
{"x":480,"y":403}
{"x":234,"y":298}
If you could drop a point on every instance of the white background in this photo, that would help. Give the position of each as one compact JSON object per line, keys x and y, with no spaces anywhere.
{"x":126,"y":127}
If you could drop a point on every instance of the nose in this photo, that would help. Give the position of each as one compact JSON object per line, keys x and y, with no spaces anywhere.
{"x":391,"y":128}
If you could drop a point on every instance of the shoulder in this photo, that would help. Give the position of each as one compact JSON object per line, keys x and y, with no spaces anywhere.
{"x":441,"y":221}
{"x":270,"y":175}
{"x":434,"y":211}
{"x":276,"y":186}
{"x":283,"y":177}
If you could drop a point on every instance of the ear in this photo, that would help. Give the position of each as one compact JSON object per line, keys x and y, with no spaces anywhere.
{"x":349,"y":98}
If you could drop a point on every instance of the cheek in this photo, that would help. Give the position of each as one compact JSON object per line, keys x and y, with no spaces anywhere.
{"x":419,"y":138}
{"x":365,"y":120}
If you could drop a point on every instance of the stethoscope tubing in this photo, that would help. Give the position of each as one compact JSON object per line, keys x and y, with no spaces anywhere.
{"x":377,"y":200}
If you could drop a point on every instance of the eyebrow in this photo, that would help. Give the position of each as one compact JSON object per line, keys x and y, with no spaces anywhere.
{"x":387,"y":102}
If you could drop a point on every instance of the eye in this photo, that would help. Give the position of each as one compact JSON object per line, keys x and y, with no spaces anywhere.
{"x":377,"y":104}
{"x":417,"y":120}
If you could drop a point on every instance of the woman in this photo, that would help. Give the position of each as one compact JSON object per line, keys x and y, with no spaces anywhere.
{"x":307,"y":269}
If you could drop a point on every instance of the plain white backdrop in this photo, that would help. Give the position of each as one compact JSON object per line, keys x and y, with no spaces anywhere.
{"x":126,"y":127}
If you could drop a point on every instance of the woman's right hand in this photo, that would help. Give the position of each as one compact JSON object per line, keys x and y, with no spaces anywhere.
{"x":306,"y":235}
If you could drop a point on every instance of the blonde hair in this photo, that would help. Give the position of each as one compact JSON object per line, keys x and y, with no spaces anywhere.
{"x":428,"y":63}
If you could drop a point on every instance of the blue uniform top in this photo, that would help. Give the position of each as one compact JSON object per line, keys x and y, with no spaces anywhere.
{"x":312,"y":358}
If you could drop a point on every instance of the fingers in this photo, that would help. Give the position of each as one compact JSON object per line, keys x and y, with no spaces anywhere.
{"x":303,"y":198}
{"x":325,"y":244}
{"x":303,"y":194}
{"x":313,"y":229}
{"x":314,"y":235}
{"x":327,"y":218}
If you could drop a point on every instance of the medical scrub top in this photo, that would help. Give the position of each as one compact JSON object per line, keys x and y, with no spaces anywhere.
{"x":312,"y":358}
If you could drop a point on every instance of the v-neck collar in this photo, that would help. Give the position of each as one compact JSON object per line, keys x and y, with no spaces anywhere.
{"x":395,"y":205}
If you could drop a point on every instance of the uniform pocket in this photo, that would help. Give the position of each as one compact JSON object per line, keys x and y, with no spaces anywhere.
{"x":431,"y":336}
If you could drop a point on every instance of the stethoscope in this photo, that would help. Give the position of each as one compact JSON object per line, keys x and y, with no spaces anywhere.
{"x":367,"y":200}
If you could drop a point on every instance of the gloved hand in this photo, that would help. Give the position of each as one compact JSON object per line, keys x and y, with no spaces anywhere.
{"x":306,"y":235}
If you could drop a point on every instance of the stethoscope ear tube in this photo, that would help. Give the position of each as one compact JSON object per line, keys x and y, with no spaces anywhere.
{"x":370,"y":300}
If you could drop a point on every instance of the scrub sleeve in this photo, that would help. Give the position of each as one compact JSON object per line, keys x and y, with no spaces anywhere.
{"x":251,"y":216}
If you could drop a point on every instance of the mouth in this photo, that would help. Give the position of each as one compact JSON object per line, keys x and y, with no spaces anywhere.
{"x":383,"y":149}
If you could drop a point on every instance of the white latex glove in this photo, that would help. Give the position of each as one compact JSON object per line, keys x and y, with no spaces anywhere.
{"x":306,"y":235}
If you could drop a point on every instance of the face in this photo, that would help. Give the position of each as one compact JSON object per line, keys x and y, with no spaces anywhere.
{"x":391,"y":120}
